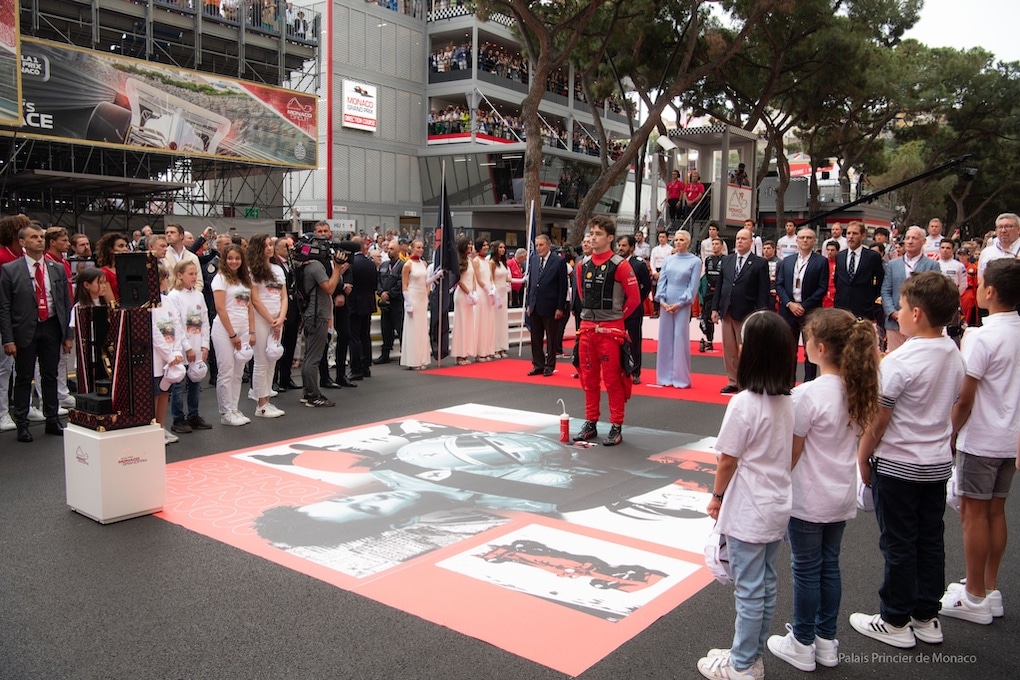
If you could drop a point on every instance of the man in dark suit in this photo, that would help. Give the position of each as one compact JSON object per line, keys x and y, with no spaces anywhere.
{"x":35,"y":307}
{"x":859,"y":275}
{"x":365,"y":278}
{"x":632,"y":324}
{"x":743,"y":288}
{"x":547,"y":304}
{"x":802,"y":280}
{"x":391,"y":300}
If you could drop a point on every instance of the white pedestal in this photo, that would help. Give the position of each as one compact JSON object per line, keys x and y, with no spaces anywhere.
{"x":115,"y":475}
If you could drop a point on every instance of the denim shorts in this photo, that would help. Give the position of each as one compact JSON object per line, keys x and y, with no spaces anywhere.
{"x":984,"y":478}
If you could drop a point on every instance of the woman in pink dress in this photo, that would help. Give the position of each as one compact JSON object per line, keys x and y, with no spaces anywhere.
{"x":501,"y":285}
{"x":485,"y":321}
{"x":462,"y":345}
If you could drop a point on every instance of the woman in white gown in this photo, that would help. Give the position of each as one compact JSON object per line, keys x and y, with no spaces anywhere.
{"x":415,"y":346}
{"x":462,"y":345}
{"x":485,"y":323}
{"x":501,"y":285}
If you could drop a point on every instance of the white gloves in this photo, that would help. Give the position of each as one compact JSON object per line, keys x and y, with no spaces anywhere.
{"x":408,"y":308}
{"x":473,"y":298}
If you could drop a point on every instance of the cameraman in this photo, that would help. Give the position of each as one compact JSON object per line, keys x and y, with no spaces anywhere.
{"x":341,"y":321}
{"x":318,"y":287}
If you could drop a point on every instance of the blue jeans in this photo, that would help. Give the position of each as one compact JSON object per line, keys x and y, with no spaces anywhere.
{"x":817,"y":586}
{"x":754,"y":575}
{"x":177,"y":391}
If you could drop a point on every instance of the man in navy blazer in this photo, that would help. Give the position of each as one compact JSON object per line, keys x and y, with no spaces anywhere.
{"x":743,"y":288}
{"x":547,"y":303}
{"x":34,"y":326}
{"x":897,"y":271}
{"x":361,"y":301}
{"x":802,"y":280}
{"x":857,"y":291}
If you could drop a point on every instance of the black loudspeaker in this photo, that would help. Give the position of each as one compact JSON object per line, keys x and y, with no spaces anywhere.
{"x":138,"y":280}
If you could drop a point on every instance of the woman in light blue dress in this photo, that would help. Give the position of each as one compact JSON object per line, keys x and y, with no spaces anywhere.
{"x":678,"y":284}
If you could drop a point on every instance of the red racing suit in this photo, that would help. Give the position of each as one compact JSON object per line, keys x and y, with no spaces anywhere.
{"x":609,"y":293}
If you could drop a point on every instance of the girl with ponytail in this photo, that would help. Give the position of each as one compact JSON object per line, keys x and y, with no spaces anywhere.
{"x":830,"y":413}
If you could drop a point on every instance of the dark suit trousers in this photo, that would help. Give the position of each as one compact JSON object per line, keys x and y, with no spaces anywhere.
{"x":544,"y":331}
{"x":796,"y":324}
{"x":391,"y":319}
{"x":342,"y":328}
{"x":45,"y":347}
{"x":633,"y":327}
{"x":361,"y":343}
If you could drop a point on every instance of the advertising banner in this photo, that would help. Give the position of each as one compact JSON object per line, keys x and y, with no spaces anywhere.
{"x":359,"y":106}
{"x":95,"y":98}
{"x":738,"y":205}
{"x":10,"y":85}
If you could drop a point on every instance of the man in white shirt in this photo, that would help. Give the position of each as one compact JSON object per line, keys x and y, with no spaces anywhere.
{"x":176,"y":252}
{"x":706,"y":244}
{"x":954,"y":270}
{"x":756,"y":245}
{"x":641,"y":247}
{"x":933,"y":241}
{"x":787,"y":245}
{"x":1005,"y":244}
{"x":655,"y":260}
{"x":837,"y":235}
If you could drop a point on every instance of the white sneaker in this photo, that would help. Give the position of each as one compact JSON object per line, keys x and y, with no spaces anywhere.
{"x":251,"y":394}
{"x":61,"y":411}
{"x":874,"y":627}
{"x":169,"y":437}
{"x":720,"y":667}
{"x":35,"y":415}
{"x":792,"y":651}
{"x":956,"y":604}
{"x":929,"y":631}
{"x":231,"y":419}
{"x":827,"y":652}
{"x":994,"y":597}
{"x":7,"y":423}
{"x":267,"y":411}
{"x":240,"y":416}
{"x":67,"y":402}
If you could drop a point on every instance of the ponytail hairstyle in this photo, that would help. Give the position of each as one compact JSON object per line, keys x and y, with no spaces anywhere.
{"x":854,"y":346}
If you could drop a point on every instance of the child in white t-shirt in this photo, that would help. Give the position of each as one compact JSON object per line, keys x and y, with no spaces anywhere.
{"x":830,"y":412}
{"x":751,"y":496}
{"x":987,"y":422}
{"x":167,"y":350}
{"x":189,"y":301}
{"x":906,"y":459}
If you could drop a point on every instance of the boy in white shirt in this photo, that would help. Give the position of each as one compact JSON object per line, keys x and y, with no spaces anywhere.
{"x":906,"y":458}
{"x":987,"y":422}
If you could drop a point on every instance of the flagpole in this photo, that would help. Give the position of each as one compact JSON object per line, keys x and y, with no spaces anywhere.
{"x":443,"y":314}
{"x":524,"y":309}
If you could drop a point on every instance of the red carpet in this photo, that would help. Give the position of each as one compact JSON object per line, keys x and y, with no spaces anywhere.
{"x":705,"y":387}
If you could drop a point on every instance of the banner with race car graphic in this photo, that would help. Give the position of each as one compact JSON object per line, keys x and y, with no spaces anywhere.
{"x":90,"y":97}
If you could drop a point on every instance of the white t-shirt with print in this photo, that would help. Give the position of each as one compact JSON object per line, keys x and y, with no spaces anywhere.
{"x":269,"y":293}
{"x":192,"y":309}
{"x":238,"y":300}
{"x":825,"y":479}
{"x":757,"y":430}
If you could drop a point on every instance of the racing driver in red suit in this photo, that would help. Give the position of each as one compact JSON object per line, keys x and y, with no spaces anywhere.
{"x":609,"y":293}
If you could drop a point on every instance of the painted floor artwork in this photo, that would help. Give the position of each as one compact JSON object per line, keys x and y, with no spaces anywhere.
{"x":477,"y":518}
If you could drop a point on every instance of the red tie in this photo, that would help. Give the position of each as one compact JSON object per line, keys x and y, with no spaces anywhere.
{"x":40,"y":293}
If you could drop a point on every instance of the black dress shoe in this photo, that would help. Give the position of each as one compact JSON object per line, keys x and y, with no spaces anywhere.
{"x":535,"y":371}
{"x":23,"y":434}
{"x":367,"y":373}
{"x":636,"y":380}
{"x":547,"y":372}
{"x":329,"y":384}
{"x":384,"y":359}
{"x":55,"y":428}
{"x":729,"y":389}
{"x":277,"y":387}
{"x":356,"y":376}
{"x":345,"y":382}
